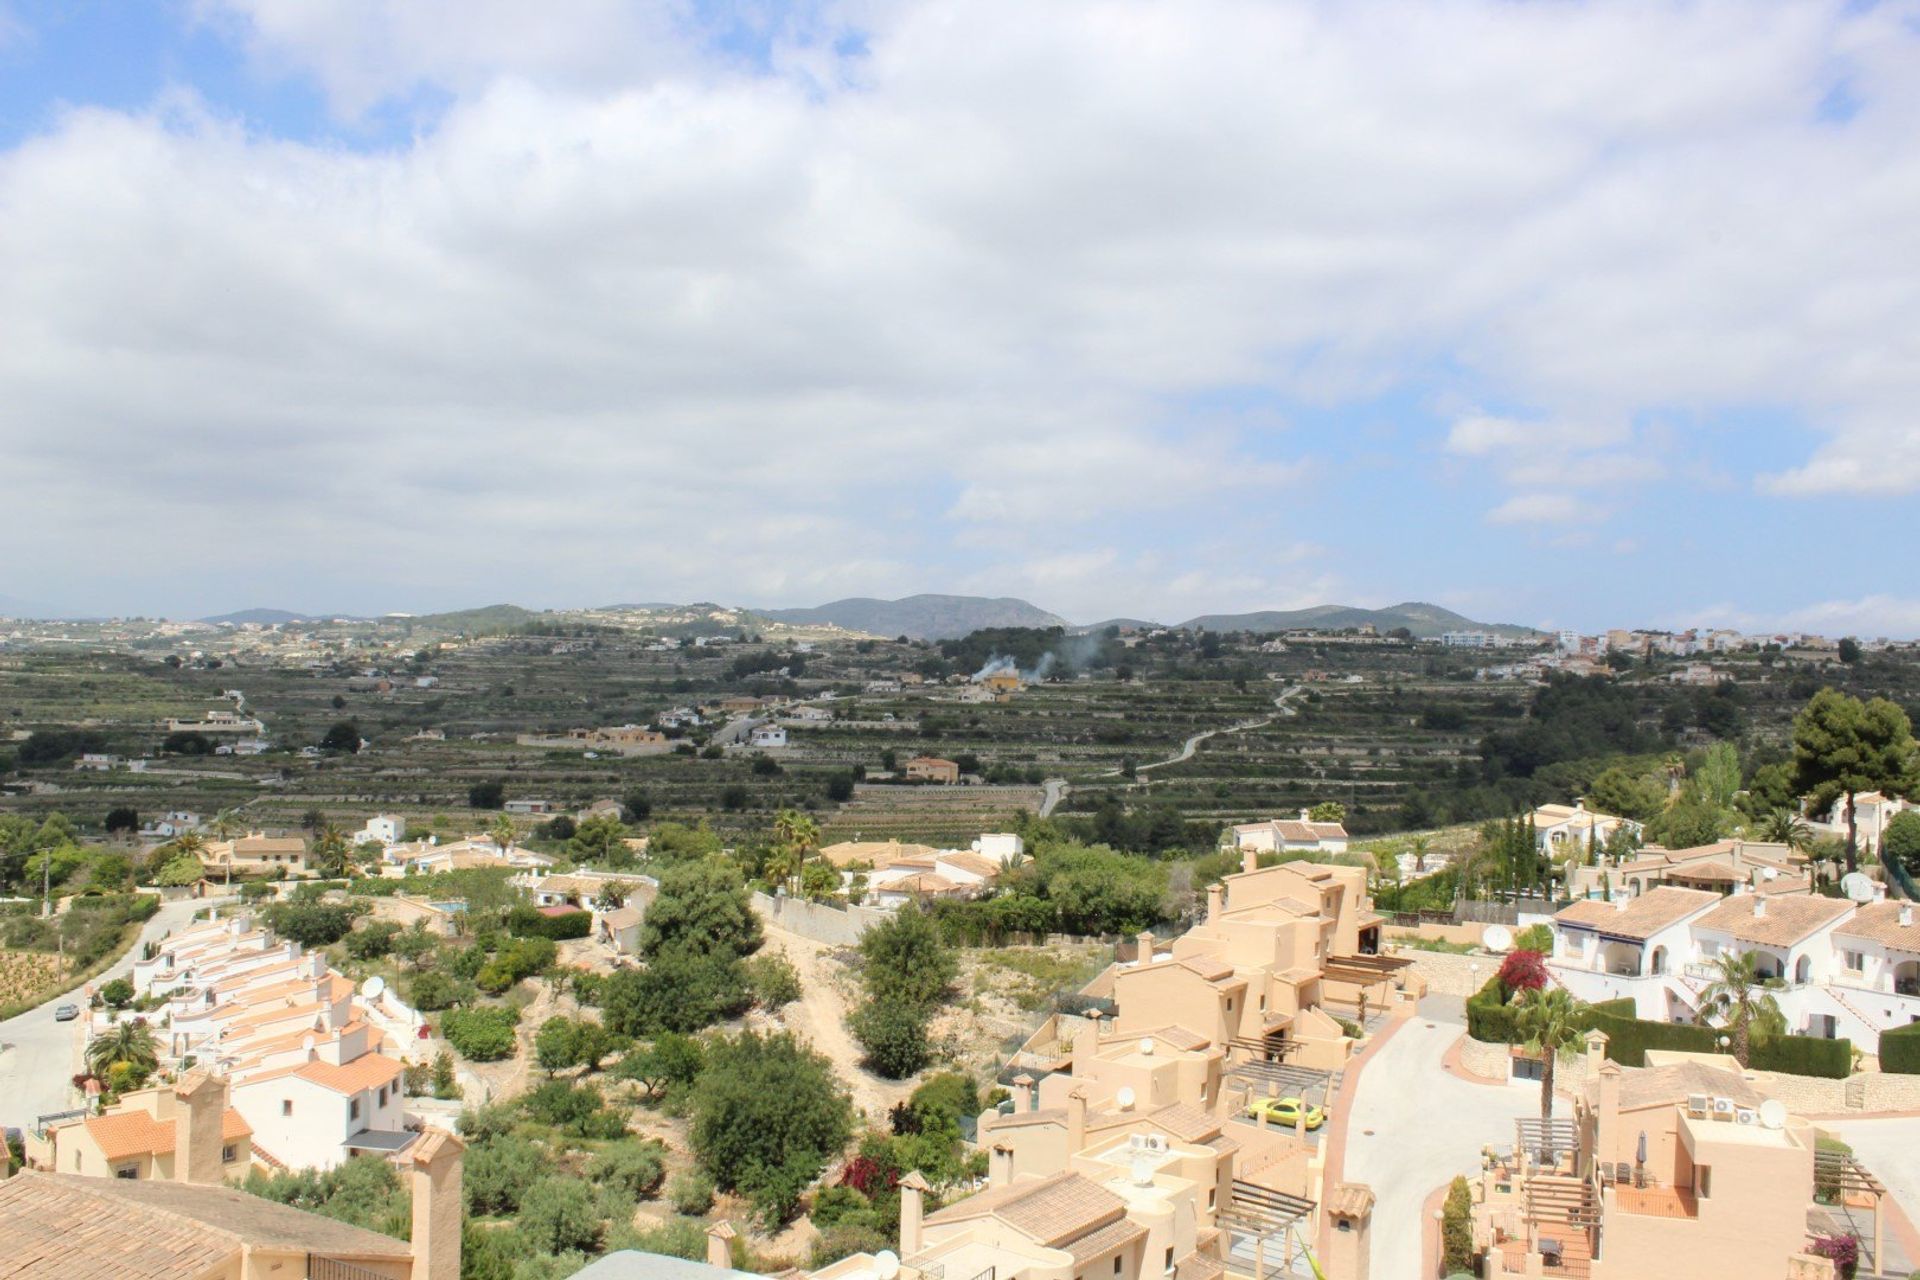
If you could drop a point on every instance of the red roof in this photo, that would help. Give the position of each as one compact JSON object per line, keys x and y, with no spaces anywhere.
{"x":560,"y":909}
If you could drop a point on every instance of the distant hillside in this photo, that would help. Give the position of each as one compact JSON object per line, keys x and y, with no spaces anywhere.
{"x":490,"y":619}
{"x":1125,"y":624}
{"x":261,"y":617}
{"x":1424,"y":620}
{"x":924,"y":617}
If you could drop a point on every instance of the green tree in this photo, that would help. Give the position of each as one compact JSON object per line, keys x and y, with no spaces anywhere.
{"x":1784,"y":826}
{"x":331,"y":850}
{"x":558,"y":1214}
{"x":894,"y":1036}
{"x":1548,"y":1022}
{"x":905,"y":961}
{"x":671,"y":1060}
{"x":704,"y":906}
{"x":1628,"y":792}
{"x":1900,"y":843}
{"x":1733,"y":1001}
{"x":773,"y":981}
{"x":768,"y":1113}
{"x":556,"y":1044}
{"x":601,"y":839}
{"x":117,"y":994}
{"x":343,"y":738}
{"x":1456,"y":1229}
{"x":179,"y":872}
{"x":490,"y":794}
{"x":1327,"y":811}
{"x":1842,"y":746}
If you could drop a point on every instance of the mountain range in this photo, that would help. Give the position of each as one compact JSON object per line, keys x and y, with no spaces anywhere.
{"x":947,"y":617}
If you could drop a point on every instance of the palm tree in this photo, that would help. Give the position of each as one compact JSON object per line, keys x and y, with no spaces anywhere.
{"x":130,"y":1042}
{"x":797,"y":836}
{"x":1418,"y":847}
{"x":1784,"y":826}
{"x":226,"y":824}
{"x":1549,"y":1019}
{"x":1734,"y":1001}
{"x":330,"y":849}
{"x":502,"y":832}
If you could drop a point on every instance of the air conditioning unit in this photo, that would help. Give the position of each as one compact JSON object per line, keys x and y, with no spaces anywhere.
{"x":1746,"y":1115}
{"x":1723,"y":1108}
{"x":1697,"y":1105}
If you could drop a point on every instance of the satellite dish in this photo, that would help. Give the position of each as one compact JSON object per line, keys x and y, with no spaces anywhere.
{"x":1125,"y":1097}
{"x":886,"y":1264}
{"x":373,"y":986}
{"x":1773,"y":873}
{"x":1857,"y":886}
{"x":1146,"y":1046}
{"x":1497,"y":937}
{"x":1773,"y":1114}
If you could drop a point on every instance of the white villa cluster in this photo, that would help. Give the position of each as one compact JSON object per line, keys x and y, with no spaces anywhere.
{"x":1845,"y":969}
{"x":301,"y":1049}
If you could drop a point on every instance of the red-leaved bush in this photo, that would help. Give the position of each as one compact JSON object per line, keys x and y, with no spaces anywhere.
{"x":1523,"y":971}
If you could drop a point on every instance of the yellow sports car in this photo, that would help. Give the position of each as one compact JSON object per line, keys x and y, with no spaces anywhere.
{"x":1285,"y":1112}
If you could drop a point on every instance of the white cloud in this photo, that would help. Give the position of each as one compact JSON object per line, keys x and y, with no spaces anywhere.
{"x":1867,"y":616}
{"x":629,"y":313}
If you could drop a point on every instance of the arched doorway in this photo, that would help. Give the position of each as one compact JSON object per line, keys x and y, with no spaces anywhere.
{"x":1659,"y":961}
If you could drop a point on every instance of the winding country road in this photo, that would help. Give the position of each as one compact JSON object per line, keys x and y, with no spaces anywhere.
{"x":1191,"y":745}
{"x":38,"y":1056}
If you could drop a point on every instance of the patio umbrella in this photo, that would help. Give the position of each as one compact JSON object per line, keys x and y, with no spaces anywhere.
{"x":1640,"y":1152}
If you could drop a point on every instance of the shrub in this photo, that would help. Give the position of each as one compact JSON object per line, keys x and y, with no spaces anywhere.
{"x":559,"y":1214}
{"x":773,"y":981}
{"x":635,"y":1167}
{"x":1456,"y":1228}
{"x":529,"y":922}
{"x":1803,"y":1056}
{"x":1900,"y":1049}
{"x":690,"y":1192}
{"x":498,"y":1172}
{"x":117,"y":994}
{"x":1523,"y":971}
{"x":767,"y":1114}
{"x":482,"y":1034}
{"x":1842,"y":1251}
{"x":894,"y":1036}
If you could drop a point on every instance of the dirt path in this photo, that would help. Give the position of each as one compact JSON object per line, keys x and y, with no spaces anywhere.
{"x":829,"y":990}
{"x":1193,"y":744}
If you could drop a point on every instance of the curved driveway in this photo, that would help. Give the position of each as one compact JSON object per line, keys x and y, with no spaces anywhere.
{"x":1413,"y":1126}
{"x":38,"y":1056}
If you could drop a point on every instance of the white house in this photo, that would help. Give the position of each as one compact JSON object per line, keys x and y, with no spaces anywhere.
{"x":1287,"y":835}
{"x":1834,"y":968}
{"x":1559,"y":827}
{"x":317,"y":1114}
{"x":383,"y":829}
{"x":1001,"y":846}
{"x":1872,"y":812}
{"x":768,"y":735}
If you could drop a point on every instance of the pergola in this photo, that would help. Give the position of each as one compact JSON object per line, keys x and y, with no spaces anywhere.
{"x":1840,"y":1171}
{"x":1261,"y":1217}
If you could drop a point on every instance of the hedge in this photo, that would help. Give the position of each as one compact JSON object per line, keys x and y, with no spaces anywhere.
{"x":528,"y":922}
{"x":1900,"y":1050}
{"x":1629,"y":1038}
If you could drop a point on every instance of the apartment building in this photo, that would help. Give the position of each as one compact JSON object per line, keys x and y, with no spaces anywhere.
{"x":1280,"y":949}
{"x":314,"y":1065}
{"x":184,"y":1225}
{"x":1835,"y":967}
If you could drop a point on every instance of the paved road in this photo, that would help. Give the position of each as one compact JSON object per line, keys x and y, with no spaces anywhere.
{"x":1890,"y":1149}
{"x":38,"y":1056}
{"x":1192,"y":744}
{"x":1426,"y":1127}
{"x":1056,"y":791}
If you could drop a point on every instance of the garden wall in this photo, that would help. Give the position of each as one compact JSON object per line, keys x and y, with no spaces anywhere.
{"x":835,"y":926}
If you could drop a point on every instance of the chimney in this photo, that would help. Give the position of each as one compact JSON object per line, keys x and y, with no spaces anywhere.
{"x":200,"y":1108}
{"x":437,"y":1205}
{"x":1596,"y":1046}
{"x":1906,"y":914}
{"x":1249,"y":859}
{"x":1609,"y":1121}
{"x":1022,"y":1094}
{"x":913,"y":1191}
{"x":1759,"y":906}
{"x":720,"y":1246}
{"x":1216,"y":899}
{"x":1000,"y":1165}
{"x":1076,"y":1121}
{"x":1143,"y":947}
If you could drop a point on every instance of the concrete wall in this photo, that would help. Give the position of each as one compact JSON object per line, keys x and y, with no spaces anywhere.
{"x":831,"y":925}
{"x":1447,"y":974}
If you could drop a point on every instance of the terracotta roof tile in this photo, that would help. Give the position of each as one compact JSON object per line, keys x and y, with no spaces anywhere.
{"x":1641,"y":917}
{"x":1880,"y":922}
{"x":1786,"y":921}
{"x":134,"y":1133}
{"x":369,"y":1071}
{"x":1104,"y":1239}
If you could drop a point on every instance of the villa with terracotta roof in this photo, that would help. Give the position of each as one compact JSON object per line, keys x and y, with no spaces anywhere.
{"x":1720,"y":867}
{"x":1289,"y":835}
{"x":140,"y":1136}
{"x":1837,"y":968}
{"x":173,"y":1220}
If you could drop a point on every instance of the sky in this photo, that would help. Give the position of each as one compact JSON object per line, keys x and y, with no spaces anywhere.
{"x":1569,"y":314}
